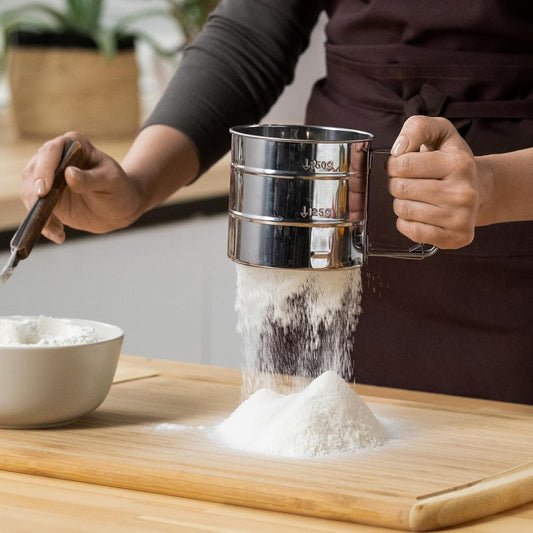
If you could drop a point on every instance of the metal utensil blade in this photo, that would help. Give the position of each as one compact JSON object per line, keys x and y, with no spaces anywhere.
{"x":31,"y":227}
{"x":9,"y":266}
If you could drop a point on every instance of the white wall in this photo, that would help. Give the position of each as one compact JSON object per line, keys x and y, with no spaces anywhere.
{"x":170,"y":287}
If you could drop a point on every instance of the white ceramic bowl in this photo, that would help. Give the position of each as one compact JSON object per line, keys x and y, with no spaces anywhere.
{"x":42,"y":386}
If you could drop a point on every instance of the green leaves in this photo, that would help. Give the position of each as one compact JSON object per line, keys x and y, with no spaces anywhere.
{"x":126,"y":26}
{"x":31,"y":16}
{"x":83,"y":17}
{"x":191,"y":15}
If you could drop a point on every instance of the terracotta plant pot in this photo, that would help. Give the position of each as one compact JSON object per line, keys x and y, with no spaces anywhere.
{"x":61,"y":82}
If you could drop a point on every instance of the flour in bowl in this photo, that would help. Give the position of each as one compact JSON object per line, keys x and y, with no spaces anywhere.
{"x":44,"y":331}
{"x":326,"y":418}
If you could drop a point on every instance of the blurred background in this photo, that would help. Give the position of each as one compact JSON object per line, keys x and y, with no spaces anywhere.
{"x":166,"y":281}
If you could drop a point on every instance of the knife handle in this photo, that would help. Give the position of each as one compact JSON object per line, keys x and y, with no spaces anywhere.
{"x":29,"y":231}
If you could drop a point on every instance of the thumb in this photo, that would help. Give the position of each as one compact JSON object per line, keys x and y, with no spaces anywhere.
{"x":433,"y":133}
{"x":81,"y":181}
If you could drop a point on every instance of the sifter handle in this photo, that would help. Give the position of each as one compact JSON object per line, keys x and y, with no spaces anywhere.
{"x":382,"y":237}
{"x":29,"y":231}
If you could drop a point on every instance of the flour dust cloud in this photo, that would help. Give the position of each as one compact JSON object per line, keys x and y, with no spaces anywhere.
{"x":295,"y":324}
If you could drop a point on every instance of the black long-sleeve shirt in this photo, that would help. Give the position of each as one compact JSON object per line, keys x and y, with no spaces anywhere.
{"x":239,"y":65}
{"x":235,"y":70}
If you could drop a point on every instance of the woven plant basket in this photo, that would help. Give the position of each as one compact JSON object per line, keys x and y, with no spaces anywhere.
{"x":56,"y":89}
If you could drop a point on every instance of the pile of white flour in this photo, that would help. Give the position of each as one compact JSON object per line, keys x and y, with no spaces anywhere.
{"x":325,"y":418}
{"x":297,"y":325}
{"x":44,"y":331}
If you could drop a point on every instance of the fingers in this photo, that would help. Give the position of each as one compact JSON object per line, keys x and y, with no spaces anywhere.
{"x":438,"y":164}
{"x":427,"y":133}
{"x":356,"y":207}
{"x":434,"y":183}
{"x":457,"y":222}
{"x":54,"y":230}
{"x":435,"y":211}
{"x":442,"y":237}
{"x":356,"y":197}
{"x":452,"y":193}
{"x":434,"y":164}
{"x":434,"y":177}
{"x":38,"y":174}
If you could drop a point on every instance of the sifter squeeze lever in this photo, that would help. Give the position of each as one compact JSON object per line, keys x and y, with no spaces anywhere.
{"x":29,"y":231}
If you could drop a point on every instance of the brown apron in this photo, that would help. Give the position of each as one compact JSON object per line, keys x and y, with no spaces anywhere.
{"x":460,"y":322}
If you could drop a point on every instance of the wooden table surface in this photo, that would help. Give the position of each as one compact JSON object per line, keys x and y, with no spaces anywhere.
{"x":38,"y":504}
{"x":15,"y":154}
{"x":34,"y":503}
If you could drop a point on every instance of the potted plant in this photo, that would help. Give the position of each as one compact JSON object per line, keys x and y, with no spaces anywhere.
{"x":191,"y":15}
{"x":66,"y":70}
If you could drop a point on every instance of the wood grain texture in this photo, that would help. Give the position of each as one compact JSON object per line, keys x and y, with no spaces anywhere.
{"x":32,"y":503}
{"x":503,"y":491}
{"x":146,"y":437}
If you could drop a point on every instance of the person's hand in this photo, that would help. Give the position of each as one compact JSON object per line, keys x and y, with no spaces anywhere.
{"x":436,"y":183}
{"x":99,"y":196}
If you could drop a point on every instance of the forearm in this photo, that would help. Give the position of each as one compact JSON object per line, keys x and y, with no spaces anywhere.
{"x":160,"y":161}
{"x":235,"y":70}
{"x":509,"y":179}
{"x":231,"y":74}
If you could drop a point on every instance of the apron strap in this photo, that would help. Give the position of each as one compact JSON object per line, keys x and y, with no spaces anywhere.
{"x":432,"y":102}
{"x":379,"y":87}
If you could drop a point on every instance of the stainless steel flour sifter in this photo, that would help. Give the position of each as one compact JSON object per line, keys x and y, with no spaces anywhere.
{"x":311,"y":197}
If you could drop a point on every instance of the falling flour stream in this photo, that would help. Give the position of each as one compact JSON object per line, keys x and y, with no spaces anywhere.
{"x":298,"y":326}
{"x":295,"y":322}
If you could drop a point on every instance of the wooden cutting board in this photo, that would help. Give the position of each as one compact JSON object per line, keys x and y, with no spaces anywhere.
{"x":452,"y":459}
